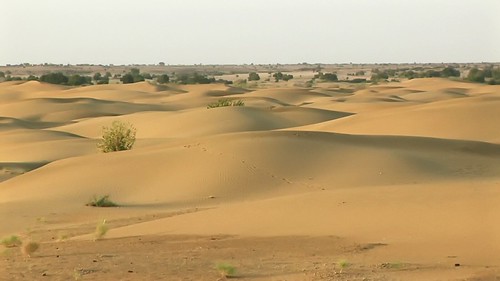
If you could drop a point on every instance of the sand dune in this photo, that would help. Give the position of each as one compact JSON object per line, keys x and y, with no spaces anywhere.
{"x":203,"y":122}
{"x":471,"y":118}
{"x":412,"y":166}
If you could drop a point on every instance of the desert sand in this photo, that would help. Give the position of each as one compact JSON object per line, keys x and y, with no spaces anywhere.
{"x":397,"y":181}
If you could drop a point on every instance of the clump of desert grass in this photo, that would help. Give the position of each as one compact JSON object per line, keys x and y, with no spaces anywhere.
{"x":101,"y":201}
{"x":11,"y":241}
{"x":226,"y":102}
{"x":29,"y":247}
{"x":226,"y":270}
{"x":343,"y":264}
{"x":101,"y":230}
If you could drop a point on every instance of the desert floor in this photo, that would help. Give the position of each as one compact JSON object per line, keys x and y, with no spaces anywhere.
{"x":397,"y":181}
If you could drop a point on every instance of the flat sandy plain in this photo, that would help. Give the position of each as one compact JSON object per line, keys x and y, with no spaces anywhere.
{"x":396,"y":181}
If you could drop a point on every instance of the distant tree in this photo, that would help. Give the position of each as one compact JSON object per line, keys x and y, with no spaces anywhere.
{"x":54,"y":78}
{"x":97,"y":76}
{"x":476,"y":75}
{"x":2,"y":74}
{"x":77,"y":80}
{"x":135,"y":71}
{"x":194,"y":78}
{"x":330,"y":77}
{"x":163,"y":79}
{"x":146,"y":76}
{"x":450,"y":72}
{"x":360,"y":73}
{"x":280,"y":76}
{"x":127,"y":78}
{"x":410,"y":74}
{"x":432,"y":73}
{"x":13,"y":78}
{"x":253,"y":76}
{"x":161,"y":63}
{"x":103,"y":80}
{"x":32,"y":78}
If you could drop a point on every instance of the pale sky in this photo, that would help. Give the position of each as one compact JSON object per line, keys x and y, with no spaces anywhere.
{"x":248,"y":31}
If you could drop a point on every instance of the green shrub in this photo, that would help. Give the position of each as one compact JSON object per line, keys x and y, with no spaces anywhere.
{"x":226,"y":270}
{"x":120,"y":136}
{"x":11,"y":241}
{"x":226,"y":102}
{"x":101,"y":201}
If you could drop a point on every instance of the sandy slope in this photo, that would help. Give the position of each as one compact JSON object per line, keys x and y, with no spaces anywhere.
{"x":414,"y":166}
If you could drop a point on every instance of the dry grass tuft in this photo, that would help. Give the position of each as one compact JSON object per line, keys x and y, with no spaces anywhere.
{"x":29,"y":247}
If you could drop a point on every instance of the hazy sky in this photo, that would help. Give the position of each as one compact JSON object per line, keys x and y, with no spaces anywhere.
{"x":248,"y":31}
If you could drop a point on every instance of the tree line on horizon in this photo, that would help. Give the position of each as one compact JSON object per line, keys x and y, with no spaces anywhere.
{"x":489,"y":74}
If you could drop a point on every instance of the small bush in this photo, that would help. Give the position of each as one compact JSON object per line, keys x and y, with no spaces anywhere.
{"x":226,"y":270}
{"x":101,"y":201}
{"x":11,"y":241}
{"x":343,"y":264}
{"x":120,"y":136}
{"x":226,"y":102}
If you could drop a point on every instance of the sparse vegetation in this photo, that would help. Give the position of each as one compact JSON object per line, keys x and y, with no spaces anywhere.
{"x":29,"y":247}
{"x":226,"y":270}
{"x":101,"y":230}
{"x":11,"y":241}
{"x":226,"y":102}
{"x":120,"y":136}
{"x":101,"y":201}
{"x":241,"y":83}
{"x":343,"y":264}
